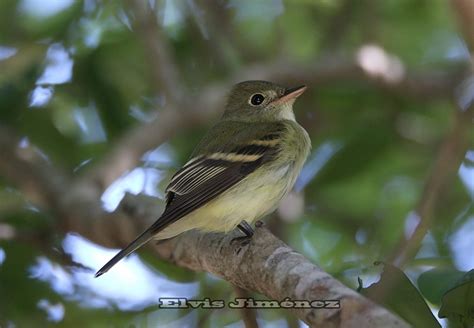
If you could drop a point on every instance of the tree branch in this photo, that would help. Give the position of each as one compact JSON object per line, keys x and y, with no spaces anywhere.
{"x":270,"y":267}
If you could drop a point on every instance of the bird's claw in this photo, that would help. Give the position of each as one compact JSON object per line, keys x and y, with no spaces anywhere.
{"x":242,"y":241}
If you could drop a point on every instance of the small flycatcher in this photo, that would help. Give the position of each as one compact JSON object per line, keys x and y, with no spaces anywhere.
{"x":239,"y":171}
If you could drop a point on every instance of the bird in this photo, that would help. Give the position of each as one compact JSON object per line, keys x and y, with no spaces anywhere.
{"x":240,"y":170}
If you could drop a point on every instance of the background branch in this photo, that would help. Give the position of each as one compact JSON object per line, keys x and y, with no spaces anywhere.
{"x":164,"y":71}
{"x":464,"y":11}
{"x":423,"y":86}
{"x":449,"y":158}
{"x":450,"y":154}
{"x":249,"y":315}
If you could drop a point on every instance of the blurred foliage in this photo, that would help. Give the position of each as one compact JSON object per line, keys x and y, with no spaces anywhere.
{"x":74,"y":77}
{"x":404,"y":299}
{"x":458,"y":301}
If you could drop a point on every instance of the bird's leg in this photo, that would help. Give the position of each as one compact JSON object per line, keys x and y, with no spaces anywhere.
{"x":246,"y":228}
{"x":248,"y":232}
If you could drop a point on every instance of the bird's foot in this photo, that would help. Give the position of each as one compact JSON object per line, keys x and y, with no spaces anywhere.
{"x":242,"y":240}
{"x":247,"y":230}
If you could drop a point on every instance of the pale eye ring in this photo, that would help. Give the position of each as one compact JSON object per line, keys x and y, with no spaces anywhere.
{"x":257,"y":99}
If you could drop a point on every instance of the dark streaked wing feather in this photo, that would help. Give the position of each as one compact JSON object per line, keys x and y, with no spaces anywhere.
{"x":201,"y":180}
{"x":185,"y":204}
{"x":194,"y":174}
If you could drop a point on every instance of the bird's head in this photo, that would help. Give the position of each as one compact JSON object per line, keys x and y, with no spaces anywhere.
{"x":261,"y":101}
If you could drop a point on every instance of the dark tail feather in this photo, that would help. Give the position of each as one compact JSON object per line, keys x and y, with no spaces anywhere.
{"x":133,"y":246}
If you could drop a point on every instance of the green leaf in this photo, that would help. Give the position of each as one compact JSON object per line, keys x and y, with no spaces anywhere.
{"x":435,"y":282}
{"x":397,"y":293}
{"x":458,"y":302}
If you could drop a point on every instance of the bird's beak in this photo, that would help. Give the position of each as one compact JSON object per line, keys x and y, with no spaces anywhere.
{"x":291,"y":94}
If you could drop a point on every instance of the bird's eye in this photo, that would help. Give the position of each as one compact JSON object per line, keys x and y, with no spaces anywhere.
{"x":257,"y":99}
